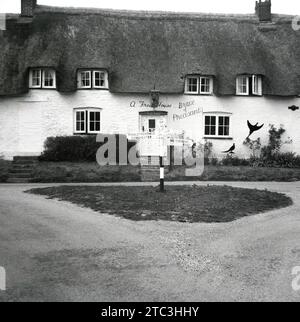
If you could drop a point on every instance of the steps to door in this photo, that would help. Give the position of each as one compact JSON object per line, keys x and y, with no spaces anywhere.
{"x":21,"y":169}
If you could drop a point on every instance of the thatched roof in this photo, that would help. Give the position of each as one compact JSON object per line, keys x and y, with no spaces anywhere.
{"x":143,"y":49}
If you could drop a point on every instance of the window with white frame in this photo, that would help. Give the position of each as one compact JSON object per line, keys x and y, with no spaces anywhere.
{"x":42,"y":78}
{"x":249,"y":85}
{"x":256,"y":85}
{"x":84,"y":79}
{"x":80,"y":121}
{"x":35,"y":78}
{"x":94,"y":121}
{"x":49,"y":78}
{"x":88,"y":79}
{"x":192,"y":85}
{"x":199,"y":85}
{"x":206,"y":84}
{"x":217,"y":125}
{"x":99,"y":79}
{"x":224,"y":123}
{"x":210,"y":125}
{"x":87,"y":121}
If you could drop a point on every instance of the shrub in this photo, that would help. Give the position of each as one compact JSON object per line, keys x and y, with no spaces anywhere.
{"x":76,"y":148}
{"x":234,"y":161}
{"x":254,"y":146}
{"x":270,"y":155}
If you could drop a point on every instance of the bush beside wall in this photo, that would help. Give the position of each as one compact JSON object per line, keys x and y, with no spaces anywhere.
{"x":76,"y":148}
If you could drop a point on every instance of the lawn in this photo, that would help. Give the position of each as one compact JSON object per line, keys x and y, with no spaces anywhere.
{"x":83,"y":172}
{"x":179,"y":203}
{"x":239,"y":173}
{"x":92,"y":172}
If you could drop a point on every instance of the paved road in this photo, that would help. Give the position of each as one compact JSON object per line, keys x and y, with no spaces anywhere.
{"x":55,"y":251}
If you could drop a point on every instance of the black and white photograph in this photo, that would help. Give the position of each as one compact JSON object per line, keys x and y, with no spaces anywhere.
{"x":149,"y":154}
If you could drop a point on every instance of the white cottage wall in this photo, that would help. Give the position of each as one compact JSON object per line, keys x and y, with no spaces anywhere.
{"x":26,"y":121}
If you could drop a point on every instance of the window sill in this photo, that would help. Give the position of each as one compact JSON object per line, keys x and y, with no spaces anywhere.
{"x":198,"y":94}
{"x":93,"y":88}
{"x":248,"y":95}
{"x":44,"y":88}
{"x":217,"y":137}
{"x":85,"y":134}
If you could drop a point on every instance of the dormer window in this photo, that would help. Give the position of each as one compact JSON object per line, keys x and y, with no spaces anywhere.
{"x":192,"y":85}
{"x":49,"y":78}
{"x":88,"y":79}
{"x":42,"y":78}
{"x":99,"y":79}
{"x":84,"y":79}
{"x":202,"y":85}
{"x":249,"y":85}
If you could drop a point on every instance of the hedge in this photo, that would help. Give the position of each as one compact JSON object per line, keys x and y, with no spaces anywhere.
{"x":77,"y":148}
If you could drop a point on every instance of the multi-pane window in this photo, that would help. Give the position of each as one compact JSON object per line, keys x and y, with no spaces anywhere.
{"x":192,"y":85}
{"x":205,"y":85}
{"x":84,"y":79}
{"x":210,"y":125}
{"x":243,"y":85}
{"x":249,"y":85}
{"x":42,"y":78}
{"x":199,"y":85}
{"x":36,"y":78}
{"x":92,"y":79}
{"x":87,"y":121}
{"x":80,"y":121}
{"x":99,"y":79}
{"x":217,"y":125}
{"x":94,"y":121}
{"x":224,"y":125}
{"x":49,"y":78}
{"x":256,"y":85}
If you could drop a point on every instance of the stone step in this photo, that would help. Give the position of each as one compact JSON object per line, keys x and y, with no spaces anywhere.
{"x":18,"y":180}
{"x":20,"y":175}
{"x":20,"y":170}
{"x":23,"y":166}
{"x":25,"y":162}
{"x":25,"y":158}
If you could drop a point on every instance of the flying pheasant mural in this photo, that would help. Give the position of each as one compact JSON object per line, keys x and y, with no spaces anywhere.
{"x":254,"y":128}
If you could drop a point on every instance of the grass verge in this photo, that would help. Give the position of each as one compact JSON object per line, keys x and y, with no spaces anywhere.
{"x":185,"y":204}
{"x":91,"y":172}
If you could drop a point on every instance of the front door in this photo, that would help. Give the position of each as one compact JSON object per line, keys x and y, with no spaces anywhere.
{"x":153,"y":123}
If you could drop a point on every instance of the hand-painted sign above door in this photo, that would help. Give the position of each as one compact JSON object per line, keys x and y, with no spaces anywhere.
{"x":143,"y":104}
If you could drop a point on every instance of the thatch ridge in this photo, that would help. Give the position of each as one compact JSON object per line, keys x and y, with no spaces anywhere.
{"x":143,"y":49}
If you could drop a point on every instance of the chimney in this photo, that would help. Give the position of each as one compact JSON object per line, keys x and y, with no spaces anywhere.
{"x":28,"y":7}
{"x":263,"y":10}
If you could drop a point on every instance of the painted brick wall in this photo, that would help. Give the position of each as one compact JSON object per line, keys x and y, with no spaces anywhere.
{"x":26,"y":121}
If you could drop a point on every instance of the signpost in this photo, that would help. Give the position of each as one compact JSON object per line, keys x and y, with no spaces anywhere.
{"x":162,"y":175}
{"x":156,"y":145}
